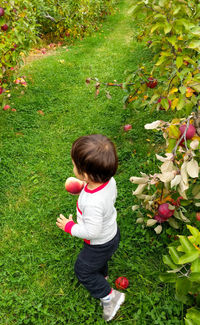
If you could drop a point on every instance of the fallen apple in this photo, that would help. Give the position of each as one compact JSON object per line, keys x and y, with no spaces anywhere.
{"x":127,"y":127}
{"x":73,"y":185}
{"x":6,"y":107}
{"x":190,"y":131}
{"x":164,"y":211}
{"x":152,"y":82}
{"x":1,"y":11}
{"x":159,"y":218}
{"x":198,"y":216}
{"x":122,"y":283}
{"x":1,"y":90}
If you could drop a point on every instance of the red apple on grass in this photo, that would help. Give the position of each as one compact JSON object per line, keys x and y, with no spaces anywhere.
{"x":152,"y":82}
{"x":73,"y":185}
{"x":159,"y":218}
{"x":122,"y":283}
{"x":164,"y":211}
{"x":127,"y":127}
{"x":198,"y":216}
{"x":190,"y":131}
{"x":1,"y":12}
{"x":6,"y":107}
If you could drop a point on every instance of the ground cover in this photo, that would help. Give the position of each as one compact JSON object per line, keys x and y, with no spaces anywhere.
{"x":38,"y":284}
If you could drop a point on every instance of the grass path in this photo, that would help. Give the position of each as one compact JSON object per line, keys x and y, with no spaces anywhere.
{"x":38,"y":285}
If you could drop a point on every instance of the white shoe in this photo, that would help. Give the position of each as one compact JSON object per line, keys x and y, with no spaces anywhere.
{"x":111,"y":307}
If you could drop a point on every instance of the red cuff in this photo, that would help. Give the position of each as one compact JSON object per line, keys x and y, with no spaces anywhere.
{"x":68,"y":227}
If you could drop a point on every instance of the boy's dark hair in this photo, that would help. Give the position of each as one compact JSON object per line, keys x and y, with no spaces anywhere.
{"x":96,"y":156}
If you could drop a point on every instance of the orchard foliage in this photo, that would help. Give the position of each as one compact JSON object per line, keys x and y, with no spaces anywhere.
{"x":171,"y":29}
{"x":24,"y":22}
{"x":183,"y":262}
{"x":18,"y":34}
{"x":70,"y":19}
{"x":177,"y":183}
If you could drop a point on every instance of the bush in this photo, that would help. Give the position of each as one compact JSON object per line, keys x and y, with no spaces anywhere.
{"x":175,"y":188}
{"x":184,"y":263}
{"x":22,"y":22}
{"x":171,"y":30}
{"x":18,"y":34}
{"x":70,"y":19}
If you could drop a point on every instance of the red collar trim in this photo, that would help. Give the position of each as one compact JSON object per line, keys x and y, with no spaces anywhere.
{"x":99,"y":188}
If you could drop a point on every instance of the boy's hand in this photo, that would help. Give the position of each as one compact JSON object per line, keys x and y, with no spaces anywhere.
{"x":62,"y":221}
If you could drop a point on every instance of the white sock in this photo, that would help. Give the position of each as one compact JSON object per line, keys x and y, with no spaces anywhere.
{"x":107,"y":298}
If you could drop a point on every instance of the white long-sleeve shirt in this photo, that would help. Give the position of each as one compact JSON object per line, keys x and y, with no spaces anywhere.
{"x":96,"y":214}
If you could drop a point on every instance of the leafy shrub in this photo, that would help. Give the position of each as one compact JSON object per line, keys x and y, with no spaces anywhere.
{"x":70,"y":19}
{"x":166,"y":195}
{"x":184,"y":263}
{"x":18,"y":34}
{"x":171,"y":29}
{"x":22,"y":22}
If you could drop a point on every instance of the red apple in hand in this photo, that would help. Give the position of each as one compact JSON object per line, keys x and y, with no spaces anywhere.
{"x":190,"y":131}
{"x":74,"y":185}
{"x":127,"y":127}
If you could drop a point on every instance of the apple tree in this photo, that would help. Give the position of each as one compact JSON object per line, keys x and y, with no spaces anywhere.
{"x":170,"y":28}
{"x":18,"y":34}
{"x":169,"y":195}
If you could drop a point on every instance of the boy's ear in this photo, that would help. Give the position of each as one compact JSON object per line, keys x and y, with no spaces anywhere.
{"x":86,"y":177}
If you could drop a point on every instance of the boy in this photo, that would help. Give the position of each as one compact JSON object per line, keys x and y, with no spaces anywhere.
{"x":95,"y":163}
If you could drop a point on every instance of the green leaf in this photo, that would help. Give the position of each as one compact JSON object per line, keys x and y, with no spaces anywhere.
{"x":181,"y":103}
{"x":189,"y":322}
{"x":182,"y":286}
{"x":194,"y":315}
{"x":179,"y":61}
{"x":195,"y":277}
{"x":167,"y":28}
{"x":182,"y":89}
{"x":174,"y":132}
{"x":194,"y":231}
{"x":171,"y":144}
{"x":188,"y":257}
{"x":168,"y":261}
{"x":174,"y":254}
{"x":168,"y":278}
{"x":160,"y":60}
{"x":194,"y":45}
{"x":173,"y":223}
{"x":156,"y":26}
{"x":172,"y":40}
{"x":195,"y":266}
{"x":186,"y":244}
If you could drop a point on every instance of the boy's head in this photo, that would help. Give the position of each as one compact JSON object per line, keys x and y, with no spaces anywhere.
{"x":96,"y":156}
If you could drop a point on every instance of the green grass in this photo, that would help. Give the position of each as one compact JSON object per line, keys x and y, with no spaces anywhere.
{"x":38,"y":284}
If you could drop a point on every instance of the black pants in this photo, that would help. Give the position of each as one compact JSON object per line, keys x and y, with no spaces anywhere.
{"x":91,"y":266}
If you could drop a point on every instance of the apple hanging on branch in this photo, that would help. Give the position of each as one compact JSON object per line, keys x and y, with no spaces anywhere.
{"x":1,"y":12}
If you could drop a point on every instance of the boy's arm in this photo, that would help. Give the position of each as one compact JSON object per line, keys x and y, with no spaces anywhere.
{"x":91,"y":226}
